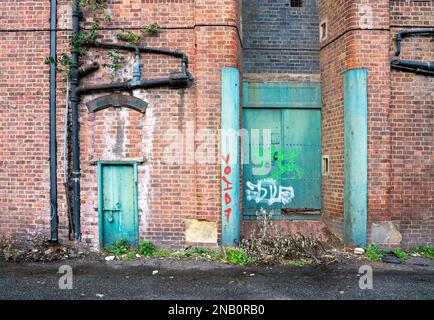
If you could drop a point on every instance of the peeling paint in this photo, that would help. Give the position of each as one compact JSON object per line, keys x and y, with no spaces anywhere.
{"x":386,"y":233}
{"x":148,"y":122}
{"x":121,"y":137}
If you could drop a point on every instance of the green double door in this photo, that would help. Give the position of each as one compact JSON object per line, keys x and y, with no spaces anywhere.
{"x":118,"y":203}
{"x":283,"y":173}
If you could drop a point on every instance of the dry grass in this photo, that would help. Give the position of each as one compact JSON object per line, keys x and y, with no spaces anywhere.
{"x":267,"y":246}
{"x":36,"y":249}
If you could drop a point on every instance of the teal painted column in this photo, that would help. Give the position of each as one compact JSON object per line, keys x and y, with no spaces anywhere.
{"x":230,"y":150}
{"x":356,"y":157}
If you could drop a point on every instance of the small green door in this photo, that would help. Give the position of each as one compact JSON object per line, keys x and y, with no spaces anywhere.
{"x":118,"y":203}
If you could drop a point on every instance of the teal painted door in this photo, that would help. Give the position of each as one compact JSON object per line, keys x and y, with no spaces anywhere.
{"x":283,"y":174}
{"x":261,"y":176}
{"x":291,"y":188}
{"x":301,"y":157}
{"x":118,"y":204}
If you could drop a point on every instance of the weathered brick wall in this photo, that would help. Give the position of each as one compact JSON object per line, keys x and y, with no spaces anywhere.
{"x":169,"y":193}
{"x":279,"y":38}
{"x":24,"y":94}
{"x":412,"y":102}
{"x":333,"y":56}
{"x":356,"y":37}
{"x":411,"y":13}
{"x":399,"y":115}
{"x":400,"y":110}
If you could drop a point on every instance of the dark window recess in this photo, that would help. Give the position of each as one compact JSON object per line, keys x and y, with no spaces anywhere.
{"x":296,"y":3}
{"x":325,"y":165}
{"x":323,"y":31}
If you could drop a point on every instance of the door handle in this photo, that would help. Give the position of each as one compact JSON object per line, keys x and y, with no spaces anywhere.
{"x":110,"y":218}
{"x":276,"y":155}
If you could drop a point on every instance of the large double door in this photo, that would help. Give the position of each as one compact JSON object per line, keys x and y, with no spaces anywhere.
{"x":283,"y":173}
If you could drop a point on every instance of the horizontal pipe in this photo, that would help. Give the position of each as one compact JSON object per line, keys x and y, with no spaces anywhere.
{"x":412,"y":67}
{"x":104,"y":87}
{"x":175,"y":80}
{"x":406,"y":33}
{"x":428,"y":66}
{"x":120,"y":86}
{"x":415,"y":70}
{"x":143,"y":49}
{"x":87,"y":69}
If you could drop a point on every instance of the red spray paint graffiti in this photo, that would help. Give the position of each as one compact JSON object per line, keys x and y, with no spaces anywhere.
{"x":228,"y":187}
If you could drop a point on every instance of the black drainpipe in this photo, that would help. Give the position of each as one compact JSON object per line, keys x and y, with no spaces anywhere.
{"x":53,"y":144}
{"x":180,"y":79}
{"x":75,"y":137}
{"x":420,"y":67}
{"x":407,"y":33}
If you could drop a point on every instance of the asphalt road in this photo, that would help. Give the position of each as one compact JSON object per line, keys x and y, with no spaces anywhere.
{"x":181,"y":280}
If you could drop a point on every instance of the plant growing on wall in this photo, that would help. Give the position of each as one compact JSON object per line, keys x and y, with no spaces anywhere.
{"x":96,"y":5}
{"x":80,"y":39}
{"x":63,"y":64}
{"x":133,"y":38}
{"x":129,"y":37}
{"x":150,"y":28}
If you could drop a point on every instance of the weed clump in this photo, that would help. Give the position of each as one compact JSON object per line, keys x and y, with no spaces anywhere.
{"x":238,"y":257}
{"x":119,"y":248}
{"x":124,"y":251}
{"x":267,"y":246}
{"x":374,"y":252}
{"x":427,"y":252}
{"x":146,"y":249}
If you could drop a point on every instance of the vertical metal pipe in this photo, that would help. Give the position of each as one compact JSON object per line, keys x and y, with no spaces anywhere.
{"x":75,"y":124}
{"x":53,"y":143}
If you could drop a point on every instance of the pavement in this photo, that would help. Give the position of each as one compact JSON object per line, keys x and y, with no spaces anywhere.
{"x":166,"y":279}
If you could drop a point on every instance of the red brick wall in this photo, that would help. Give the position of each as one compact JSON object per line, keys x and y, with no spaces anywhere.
{"x":411,"y":13}
{"x":24,"y":84}
{"x":359,"y":33}
{"x":399,"y":174}
{"x":411,"y":123}
{"x":171,"y":193}
{"x":356,"y":38}
{"x":168,"y":193}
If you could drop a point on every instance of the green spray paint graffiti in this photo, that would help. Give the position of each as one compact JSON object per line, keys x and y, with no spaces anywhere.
{"x":286,"y":164}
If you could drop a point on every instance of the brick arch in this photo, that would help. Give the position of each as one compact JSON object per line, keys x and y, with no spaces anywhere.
{"x":117,"y":100}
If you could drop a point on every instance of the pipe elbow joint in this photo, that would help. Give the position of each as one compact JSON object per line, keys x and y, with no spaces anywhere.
{"x":180,"y":80}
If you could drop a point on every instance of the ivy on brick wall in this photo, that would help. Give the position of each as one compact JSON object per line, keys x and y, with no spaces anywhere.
{"x":79,"y":40}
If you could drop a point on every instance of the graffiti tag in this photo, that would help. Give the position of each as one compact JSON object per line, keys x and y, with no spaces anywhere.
{"x":286,"y":165}
{"x":267,"y":191}
{"x":228,"y":187}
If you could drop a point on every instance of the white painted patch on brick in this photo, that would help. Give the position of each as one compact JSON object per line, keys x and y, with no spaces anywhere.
{"x":365,"y":14}
{"x":109,"y":140}
{"x":65,"y":19}
{"x":144,"y":184}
